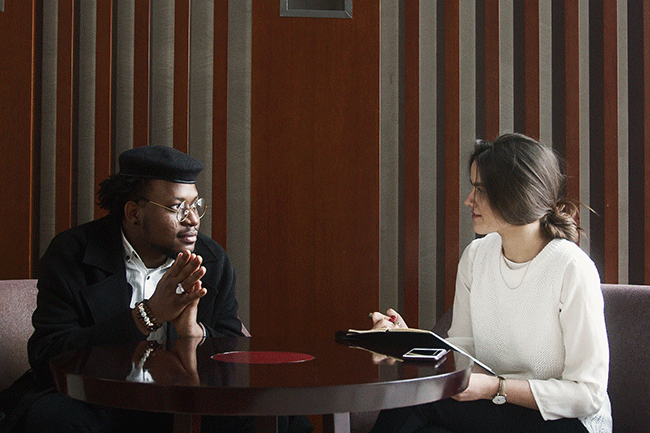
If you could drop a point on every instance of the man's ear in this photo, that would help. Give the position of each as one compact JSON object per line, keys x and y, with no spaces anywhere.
{"x":132,"y":213}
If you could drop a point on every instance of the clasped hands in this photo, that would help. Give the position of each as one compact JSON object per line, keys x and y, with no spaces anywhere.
{"x":167,"y":305}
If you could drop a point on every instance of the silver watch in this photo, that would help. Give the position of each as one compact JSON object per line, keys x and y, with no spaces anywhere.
{"x":500,"y":398}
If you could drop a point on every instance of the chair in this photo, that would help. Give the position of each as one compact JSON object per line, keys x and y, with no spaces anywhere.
{"x":627,"y":315}
{"x":16,"y":308}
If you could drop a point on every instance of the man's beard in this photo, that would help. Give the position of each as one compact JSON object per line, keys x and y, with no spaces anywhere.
{"x":164,"y":250}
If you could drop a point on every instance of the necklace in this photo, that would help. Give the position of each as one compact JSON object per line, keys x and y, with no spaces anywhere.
{"x":501,"y":261}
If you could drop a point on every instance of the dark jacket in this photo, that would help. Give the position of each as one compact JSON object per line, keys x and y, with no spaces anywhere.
{"x":83,"y":297}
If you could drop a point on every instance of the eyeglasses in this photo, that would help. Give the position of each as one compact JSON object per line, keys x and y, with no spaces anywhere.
{"x":183,"y":210}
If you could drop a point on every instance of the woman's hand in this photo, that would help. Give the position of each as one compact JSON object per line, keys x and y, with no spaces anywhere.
{"x":390,"y":321}
{"x":481,"y":386}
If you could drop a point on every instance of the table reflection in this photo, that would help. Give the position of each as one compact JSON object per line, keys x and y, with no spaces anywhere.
{"x":181,"y":377}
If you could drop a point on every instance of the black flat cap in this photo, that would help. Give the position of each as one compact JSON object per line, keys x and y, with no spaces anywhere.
{"x":159,"y":162}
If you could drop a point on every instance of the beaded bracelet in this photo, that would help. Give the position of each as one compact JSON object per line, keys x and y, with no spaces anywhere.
{"x":144,"y":313}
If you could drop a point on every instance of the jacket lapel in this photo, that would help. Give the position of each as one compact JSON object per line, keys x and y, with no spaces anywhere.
{"x":108,"y":292}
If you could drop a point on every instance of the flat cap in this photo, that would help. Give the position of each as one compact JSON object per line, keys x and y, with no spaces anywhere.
{"x":159,"y":162}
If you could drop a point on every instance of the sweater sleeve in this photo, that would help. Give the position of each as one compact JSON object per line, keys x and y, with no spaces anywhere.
{"x":460,"y":332}
{"x":582,"y":388}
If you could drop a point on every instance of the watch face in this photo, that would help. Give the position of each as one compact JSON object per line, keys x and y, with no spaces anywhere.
{"x":499,"y":399}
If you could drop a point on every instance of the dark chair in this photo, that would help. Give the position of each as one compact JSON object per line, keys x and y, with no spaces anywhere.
{"x":627,"y":314}
{"x":16,"y":308}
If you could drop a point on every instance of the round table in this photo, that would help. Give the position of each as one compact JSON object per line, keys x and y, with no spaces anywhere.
{"x":259,"y":377}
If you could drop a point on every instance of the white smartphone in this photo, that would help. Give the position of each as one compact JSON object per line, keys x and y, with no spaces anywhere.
{"x":425,"y":354}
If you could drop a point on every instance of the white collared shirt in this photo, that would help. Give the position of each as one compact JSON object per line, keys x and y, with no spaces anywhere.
{"x":143,"y":281}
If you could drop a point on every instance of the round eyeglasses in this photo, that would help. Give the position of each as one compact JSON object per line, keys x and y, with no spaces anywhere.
{"x":183,"y":209}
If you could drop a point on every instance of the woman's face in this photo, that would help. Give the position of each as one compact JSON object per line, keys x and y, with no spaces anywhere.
{"x":484,"y":218}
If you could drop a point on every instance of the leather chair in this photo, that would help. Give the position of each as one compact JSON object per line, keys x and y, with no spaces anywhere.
{"x":16,"y":308}
{"x":627,"y":315}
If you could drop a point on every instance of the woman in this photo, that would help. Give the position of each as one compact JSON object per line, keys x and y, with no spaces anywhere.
{"x":528,"y":304}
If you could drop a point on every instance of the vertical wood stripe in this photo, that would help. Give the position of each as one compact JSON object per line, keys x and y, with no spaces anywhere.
{"x":507,"y":65}
{"x":623,"y":157}
{"x":452,"y":146}
{"x":636,"y":56}
{"x":572,"y":98}
{"x":141,"y":66}
{"x":181,"y":132}
{"x":585,"y":101}
{"x":547,"y":59}
{"x":531,"y":74}
{"x":610,"y":135}
{"x":104,"y":108}
{"x":646,"y":139}
{"x":65,"y":200}
{"x":20,"y":55}
{"x":220,"y":124}
{"x":492,"y":91}
{"x":33,"y":214}
{"x":411,"y":161}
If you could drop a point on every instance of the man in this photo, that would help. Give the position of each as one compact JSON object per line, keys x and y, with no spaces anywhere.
{"x":142,"y":272}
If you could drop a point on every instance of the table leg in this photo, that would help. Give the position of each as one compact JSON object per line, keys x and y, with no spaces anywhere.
{"x":187,"y":423}
{"x":336,"y":423}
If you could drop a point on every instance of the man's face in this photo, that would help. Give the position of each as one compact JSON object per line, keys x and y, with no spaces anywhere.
{"x":161,"y":234}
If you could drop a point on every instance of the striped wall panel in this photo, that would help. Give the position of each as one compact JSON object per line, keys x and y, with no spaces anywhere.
{"x":118,"y":74}
{"x":20,"y":53}
{"x":569,"y":73}
{"x":104,"y":93}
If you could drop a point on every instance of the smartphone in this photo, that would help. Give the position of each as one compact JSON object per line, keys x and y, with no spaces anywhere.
{"x":425,"y":354}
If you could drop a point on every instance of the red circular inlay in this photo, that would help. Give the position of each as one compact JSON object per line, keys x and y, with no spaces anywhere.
{"x":262,"y":357}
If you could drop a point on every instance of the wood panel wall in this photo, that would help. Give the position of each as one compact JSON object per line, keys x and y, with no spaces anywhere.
{"x":20,"y":51}
{"x":314,"y":172}
{"x":572,"y":74}
{"x":294,"y":176}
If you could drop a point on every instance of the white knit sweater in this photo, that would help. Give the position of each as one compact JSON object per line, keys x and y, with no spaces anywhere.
{"x":542,"y":321}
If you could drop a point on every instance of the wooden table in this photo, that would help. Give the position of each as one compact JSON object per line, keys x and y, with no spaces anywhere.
{"x":186,"y":380}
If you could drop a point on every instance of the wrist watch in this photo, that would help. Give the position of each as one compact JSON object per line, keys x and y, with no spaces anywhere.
{"x":500,"y":398}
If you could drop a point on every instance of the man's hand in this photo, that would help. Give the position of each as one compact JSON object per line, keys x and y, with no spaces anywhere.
{"x":186,"y":323}
{"x":166,"y":304}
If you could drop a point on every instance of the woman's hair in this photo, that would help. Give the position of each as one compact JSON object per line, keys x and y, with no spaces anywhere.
{"x":523,"y":182}
{"x":117,"y":190}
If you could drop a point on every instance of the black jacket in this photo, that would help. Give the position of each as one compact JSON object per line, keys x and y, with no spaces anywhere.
{"x":83,"y":297}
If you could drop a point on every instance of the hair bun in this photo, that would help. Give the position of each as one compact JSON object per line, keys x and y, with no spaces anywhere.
{"x":560,"y":221}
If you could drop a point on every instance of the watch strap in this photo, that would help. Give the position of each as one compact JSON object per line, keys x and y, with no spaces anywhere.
{"x":500,"y":398}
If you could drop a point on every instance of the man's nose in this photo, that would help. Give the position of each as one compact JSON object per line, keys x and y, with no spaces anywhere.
{"x":192,"y":218}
